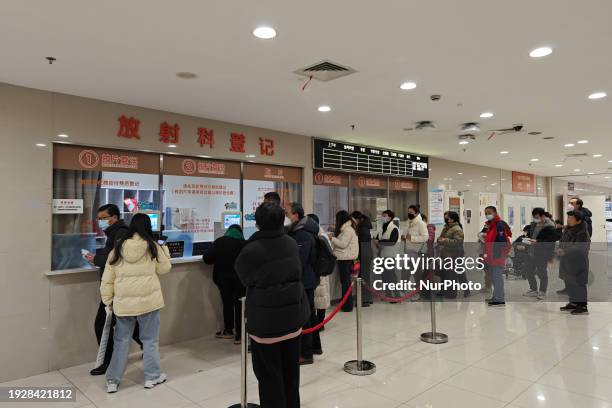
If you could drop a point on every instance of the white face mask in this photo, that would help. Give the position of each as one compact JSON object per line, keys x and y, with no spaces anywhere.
{"x":385,"y":219}
{"x":489,"y":217}
{"x":536,"y":220}
{"x":570,"y":207}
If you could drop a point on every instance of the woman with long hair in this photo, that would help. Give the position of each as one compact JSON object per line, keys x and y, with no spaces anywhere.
{"x":450,"y":244}
{"x":346,"y":248}
{"x":130,"y":287}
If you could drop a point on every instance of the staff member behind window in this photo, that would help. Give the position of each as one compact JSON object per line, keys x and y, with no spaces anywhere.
{"x":222,"y":255}
{"x":276,"y":307}
{"x":115,"y":229}
{"x":346,"y":248}
{"x":130,"y":286}
{"x":386,"y":241}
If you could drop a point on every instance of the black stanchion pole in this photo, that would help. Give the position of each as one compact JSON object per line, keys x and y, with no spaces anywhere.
{"x":244,"y":341}
{"x":359,"y":366}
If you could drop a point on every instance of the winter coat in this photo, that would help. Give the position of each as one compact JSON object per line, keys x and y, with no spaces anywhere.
{"x":543,"y":250}
{"x":574,"y":263}
{"x":431,"y":231}
{"x":587,"y":219}
{"x":304,"y":231}
{"x":132,"y":285}
{"x":269,"y":266}
{"x":363,"y":230}
{"x":417,"y":228}
{"x":222,"y":254}
{"x":115,"y":233}
{"x":497,"y":242}
{"x":451,"y":241}
{"x":322,"y":296}
{"x":346,"y":244}
{"x":389,"y":242}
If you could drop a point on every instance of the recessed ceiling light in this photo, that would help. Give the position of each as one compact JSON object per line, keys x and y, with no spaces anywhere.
{"x":609,"y":161}
{"x":468,"y":185}
{"x":597,"y":155}
{"x":324,"y":108}
{"x":63,"y":135}
{"x":460,"y":174}
{"x":582,"y":142}
{"x":540,"y":52}
{"x":406,"y":86}
{"x":558,"y":165}
{"x":535,"y":160}
{"x":484,"y":176}
{"x":486,"y":115}
{"x":576,"y":169}
{"x":264,"y":32}
{"x":464,"y":142}
{"x":598,"y":95}
{"x":590,"y":172}
{"x":172,"y":146}
{"x":504,"y":152}
{"x":250,"y":156}
{"x":541,"y":398}
{"x":186,"y":75}
{"x":607,"y":177}
{"x":569,"y":145}
{"x":41,"y":145}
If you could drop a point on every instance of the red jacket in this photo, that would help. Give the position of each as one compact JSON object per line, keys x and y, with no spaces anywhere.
{"x":497,"y":242}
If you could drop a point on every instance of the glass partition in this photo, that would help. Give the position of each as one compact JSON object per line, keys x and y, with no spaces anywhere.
{"x":330,"y":192}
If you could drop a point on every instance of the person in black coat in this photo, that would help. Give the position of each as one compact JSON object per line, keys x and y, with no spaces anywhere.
{"x":115,"y":229}
{"x":541,"y":245}
{"x":574,"y":262}
{"x":366,"y":253}
{"x":576,"y":204}
{"x":222,"y":255}
{"x":277,"y":307}
{"x":304,"y":230}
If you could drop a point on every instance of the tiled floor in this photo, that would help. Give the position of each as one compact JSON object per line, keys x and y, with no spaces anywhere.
{"x":526,"y":355}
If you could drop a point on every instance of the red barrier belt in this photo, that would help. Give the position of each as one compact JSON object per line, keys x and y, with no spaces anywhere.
{"x":332,"y":314}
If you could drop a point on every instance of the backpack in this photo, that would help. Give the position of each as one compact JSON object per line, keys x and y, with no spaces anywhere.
{"x":326,"y":260}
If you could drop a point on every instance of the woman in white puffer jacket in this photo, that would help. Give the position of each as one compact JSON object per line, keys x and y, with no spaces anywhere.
{"x":346,"y":248}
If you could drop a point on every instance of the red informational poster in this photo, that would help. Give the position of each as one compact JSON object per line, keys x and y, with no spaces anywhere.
{"x":523,"y":182}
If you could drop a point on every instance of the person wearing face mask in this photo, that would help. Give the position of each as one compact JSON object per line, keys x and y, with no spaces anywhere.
{"x":386,"y":241}
{"x":416,"y":242}
{"x":496,"y":248}
{"x":576,"y":204}
{"x":450,"y":245}
{"x":115,"y":229}
{"x":540,"y":241}
{"x":573,"y":252}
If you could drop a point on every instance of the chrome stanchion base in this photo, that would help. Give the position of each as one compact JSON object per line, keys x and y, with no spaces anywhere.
{"x":354,"y":367}
{"x":434,"y":338}
{"x":249,"y":405}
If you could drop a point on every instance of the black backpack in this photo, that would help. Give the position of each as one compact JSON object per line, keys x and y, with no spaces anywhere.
{"x":325,"y":261}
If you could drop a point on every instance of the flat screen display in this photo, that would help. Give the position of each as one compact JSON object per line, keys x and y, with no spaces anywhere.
{"x":231,"y":219}
{"x":154,"y":221}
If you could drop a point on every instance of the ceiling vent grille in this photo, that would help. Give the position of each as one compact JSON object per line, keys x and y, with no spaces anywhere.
{"x":325,"y":70}
{"x":576,"y":155}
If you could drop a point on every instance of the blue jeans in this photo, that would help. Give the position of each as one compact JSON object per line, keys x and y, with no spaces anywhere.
{"x":149,"y":335}
{"x":497,"y":278}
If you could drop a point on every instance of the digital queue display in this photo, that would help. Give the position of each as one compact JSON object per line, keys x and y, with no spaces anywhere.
{"x":332,"y":155}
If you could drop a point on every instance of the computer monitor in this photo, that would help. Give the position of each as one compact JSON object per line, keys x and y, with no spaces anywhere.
{"x":231,"y":219}
{"x":154,"y":221}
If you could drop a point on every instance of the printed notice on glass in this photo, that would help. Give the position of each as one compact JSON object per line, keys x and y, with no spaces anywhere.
{"x":67,"y":206}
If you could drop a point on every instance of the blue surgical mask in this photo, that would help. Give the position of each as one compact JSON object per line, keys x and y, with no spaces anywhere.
{"x":103,"y":224}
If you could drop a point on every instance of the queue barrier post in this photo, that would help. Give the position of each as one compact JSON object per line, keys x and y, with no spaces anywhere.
{"x":433,"y":337}
{"x":359,"y":366}
{"x":244,"y":341}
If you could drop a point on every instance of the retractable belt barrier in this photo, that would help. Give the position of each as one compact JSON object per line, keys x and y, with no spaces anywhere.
{"x":333,"y":313}
{"x":244,"y":340}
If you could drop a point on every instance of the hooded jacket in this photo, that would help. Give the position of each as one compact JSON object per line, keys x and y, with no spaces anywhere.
{"x":346,"y":244}
{"x":304,"y":231}
{"x":497,"y":242}
{"x":222,"y":255}
{"x":574,"y":263}
{"x":546,"y":236}
{"x":132,"y":285}
{"x":417,"y":228}
{"x":587,"y":219}
{"x":269,"y":266}
{"x":451,"y":241}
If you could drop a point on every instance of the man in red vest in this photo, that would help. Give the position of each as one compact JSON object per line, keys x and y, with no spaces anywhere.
{"x":496,"y":248}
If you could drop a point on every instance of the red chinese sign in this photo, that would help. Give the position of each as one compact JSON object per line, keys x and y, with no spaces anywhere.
{"x":266,"y":147}
{"x":523,"y":182}
{"x":237,"y":142}
{"x":128,"y":127}
{"x":206,"y":137}
{"x":169,"y":134}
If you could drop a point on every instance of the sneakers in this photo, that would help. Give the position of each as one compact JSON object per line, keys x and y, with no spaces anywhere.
{"x":497,"y":304}
{"x":100,"y":370}
{"x":306,"y":361}
{"x":317,"y":352}
{"x":159,"y":380}
{"x":531,"y":293}
{"x":111,"y":387}
{"x":225,"y":334}
{"x":580,"y":310}
{"x":569,"y":307}
{"x":237,"y":341}
{"x":541,"y":295}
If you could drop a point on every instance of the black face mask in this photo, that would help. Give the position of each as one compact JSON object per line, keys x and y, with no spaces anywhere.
{"x":411,"y":216}
{"x":447,"y":221}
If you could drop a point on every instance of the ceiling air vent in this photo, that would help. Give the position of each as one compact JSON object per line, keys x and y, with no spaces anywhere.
{"x":576,"y":155}
{"x":325,"y":70}
{"x":424,"y":124}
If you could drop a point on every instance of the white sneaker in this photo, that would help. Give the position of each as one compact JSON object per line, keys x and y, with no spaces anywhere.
{"x":531,"y":293}
{"x":159,"y":380}
{"x":112,"y":387}
{"x":541,"y":295}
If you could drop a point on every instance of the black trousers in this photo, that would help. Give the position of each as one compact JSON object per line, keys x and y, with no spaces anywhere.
{"x":577,"y":292}
{"x":538,"y":268}
{"x":366,"y":256}
{"x":231,"y":292}
{"x":311,"y":341}
{"x":277,"y":368}
{"x":344,"y":269}
{"x":99,"y":328}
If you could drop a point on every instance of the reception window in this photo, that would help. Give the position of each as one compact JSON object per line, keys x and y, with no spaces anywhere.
{"x":368,"y":194}
{"x":260,"y":179}
{"x":330,"y":196}
{"x":402,"y":193}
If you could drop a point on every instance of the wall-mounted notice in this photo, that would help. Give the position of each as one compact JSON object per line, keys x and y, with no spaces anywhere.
{"x":436,"y":207}
{"x":523,"y":182}
{"x":68,"y":206}
{"x":485,"y":200}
